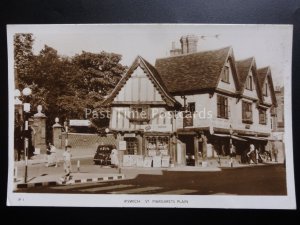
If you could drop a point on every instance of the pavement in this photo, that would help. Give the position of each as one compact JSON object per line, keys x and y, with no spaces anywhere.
{"x":41,"y":175}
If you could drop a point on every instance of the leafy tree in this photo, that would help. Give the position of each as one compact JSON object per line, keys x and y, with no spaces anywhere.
{"x":96,"y":76}
{"x":97,"y":72}
{"x":66,"y":86}
{"x":23,"y":55}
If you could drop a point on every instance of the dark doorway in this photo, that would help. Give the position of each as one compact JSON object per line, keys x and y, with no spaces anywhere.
{"x":188,"y":140}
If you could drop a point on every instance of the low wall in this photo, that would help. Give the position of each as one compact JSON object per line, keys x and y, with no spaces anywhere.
{"x":87,"y":141}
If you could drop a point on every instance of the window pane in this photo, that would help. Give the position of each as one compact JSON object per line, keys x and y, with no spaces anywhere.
{"x":191,"y":107}
{"x":222,"y":107}
{"x":247,"y":111}
{"x":131,"y":145}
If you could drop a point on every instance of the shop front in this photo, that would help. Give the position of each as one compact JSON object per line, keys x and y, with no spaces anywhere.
{"x":150,"y":147}
{"x":157,"y":148}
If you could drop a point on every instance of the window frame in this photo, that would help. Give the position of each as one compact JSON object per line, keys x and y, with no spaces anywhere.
{"x":222,"y":107}
{"x":134,"y":116}
{"x":158,"y":140}
{"x":225,"y":75}
{"x":131,"y":145}
{"x":249,"y":83}
{"x":265,"y":91}
{"x":248,"y":105}
{"x":264,"y":121}
{"x":189,"y":107}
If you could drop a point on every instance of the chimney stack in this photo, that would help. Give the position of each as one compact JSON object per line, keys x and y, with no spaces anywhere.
{"x":173,"y":45}
{"x":175,"y":51}
{"x":188,"y":44}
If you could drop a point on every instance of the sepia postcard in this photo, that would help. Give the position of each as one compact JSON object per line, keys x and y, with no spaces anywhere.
{"x":150,"y":115}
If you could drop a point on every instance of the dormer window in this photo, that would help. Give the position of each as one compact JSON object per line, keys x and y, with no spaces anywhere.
{"x":265,"y":89}
{"x":225,"y":74}
{"x":249,"y":83}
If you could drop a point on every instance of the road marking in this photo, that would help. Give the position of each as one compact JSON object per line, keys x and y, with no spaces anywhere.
{"x":69,"y":187}
{"x":177,"y":192}
{"x":222,"y":193}
{"x":136,"y":190}
{"x":106,"y":188}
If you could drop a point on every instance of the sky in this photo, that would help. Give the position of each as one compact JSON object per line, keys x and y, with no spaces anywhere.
{"x":269,"y":44}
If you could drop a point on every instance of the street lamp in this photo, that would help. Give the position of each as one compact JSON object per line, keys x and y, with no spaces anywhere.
{"x":66,"y":130}
{"x":230,"y":132}
{"x":26,"y":108}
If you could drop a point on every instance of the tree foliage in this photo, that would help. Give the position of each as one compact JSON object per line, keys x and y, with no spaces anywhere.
{"x":23,"y":55}
{"x":65,"y":86}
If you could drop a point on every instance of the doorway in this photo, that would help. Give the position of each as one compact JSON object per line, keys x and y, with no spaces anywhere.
{"x":188,"y":140}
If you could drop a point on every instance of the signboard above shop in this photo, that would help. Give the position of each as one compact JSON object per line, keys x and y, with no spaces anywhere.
{"x":129,"y":135}
{"x":122,"y":145}
{"x":157,"y":128}
{"x":80,"y":123}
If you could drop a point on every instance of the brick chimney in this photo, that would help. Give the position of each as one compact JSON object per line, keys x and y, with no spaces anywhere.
{"x":188,"y":44}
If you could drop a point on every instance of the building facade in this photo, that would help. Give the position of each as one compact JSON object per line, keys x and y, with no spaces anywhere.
{"x":278,"y":125}
{"x":191,"y":104}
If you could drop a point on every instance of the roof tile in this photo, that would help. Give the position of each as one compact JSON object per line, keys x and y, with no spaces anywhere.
{"x":192,"y":72}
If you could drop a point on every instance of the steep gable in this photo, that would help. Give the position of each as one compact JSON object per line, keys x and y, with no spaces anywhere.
{"x":130,"y":86}
{"x":228,"y":80}
{"x":265,"y":77}
{"x":249,"y":84}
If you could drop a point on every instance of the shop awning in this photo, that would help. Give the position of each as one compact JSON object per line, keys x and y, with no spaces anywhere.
{"x":228,"y":136}
{"x":256,"y":138}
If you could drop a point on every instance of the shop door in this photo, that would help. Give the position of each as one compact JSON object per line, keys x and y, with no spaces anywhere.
{"x":188,"y":140}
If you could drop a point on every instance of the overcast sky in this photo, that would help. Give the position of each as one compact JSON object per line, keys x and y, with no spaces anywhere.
{"x":270,"y":45}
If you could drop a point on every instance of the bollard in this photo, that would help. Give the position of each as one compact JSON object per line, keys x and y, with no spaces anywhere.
{"x":78,"y":166}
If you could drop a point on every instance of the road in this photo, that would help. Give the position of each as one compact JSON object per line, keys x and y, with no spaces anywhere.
{"x":259,"y":180}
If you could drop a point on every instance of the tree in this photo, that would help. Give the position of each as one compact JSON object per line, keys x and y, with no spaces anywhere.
{"x":97,"y":75}
{"x":66,"y":86}
{"x":23,"y":55}
{"x":97,"y":72}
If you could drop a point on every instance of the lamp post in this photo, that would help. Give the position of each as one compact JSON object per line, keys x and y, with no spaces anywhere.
{"x":66,"y":130}
{"x":26,"y":107}
{"x":19,"y":145}
{"x":230,"y":144}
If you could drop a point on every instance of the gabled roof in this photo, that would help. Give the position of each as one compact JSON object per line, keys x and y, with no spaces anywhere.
{"x":263,"y":74}
{"x":193,"y":72}
{"x":152,"y":74}
{"x":244,"y":67}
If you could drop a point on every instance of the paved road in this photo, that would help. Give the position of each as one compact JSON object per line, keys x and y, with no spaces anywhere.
{"x":260,"y":180}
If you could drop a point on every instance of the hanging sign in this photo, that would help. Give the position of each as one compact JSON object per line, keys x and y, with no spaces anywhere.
{"x":157,"y":127}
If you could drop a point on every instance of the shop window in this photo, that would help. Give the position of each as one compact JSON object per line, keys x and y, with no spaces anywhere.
{"x":262,"y":116}
{"x":247,"y":112}
{"x":157,"y":145}
{"x":131,"y":146}
{"x":249,"y":82}
{"x":222,"y":103}
{"x":139,"y":113}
